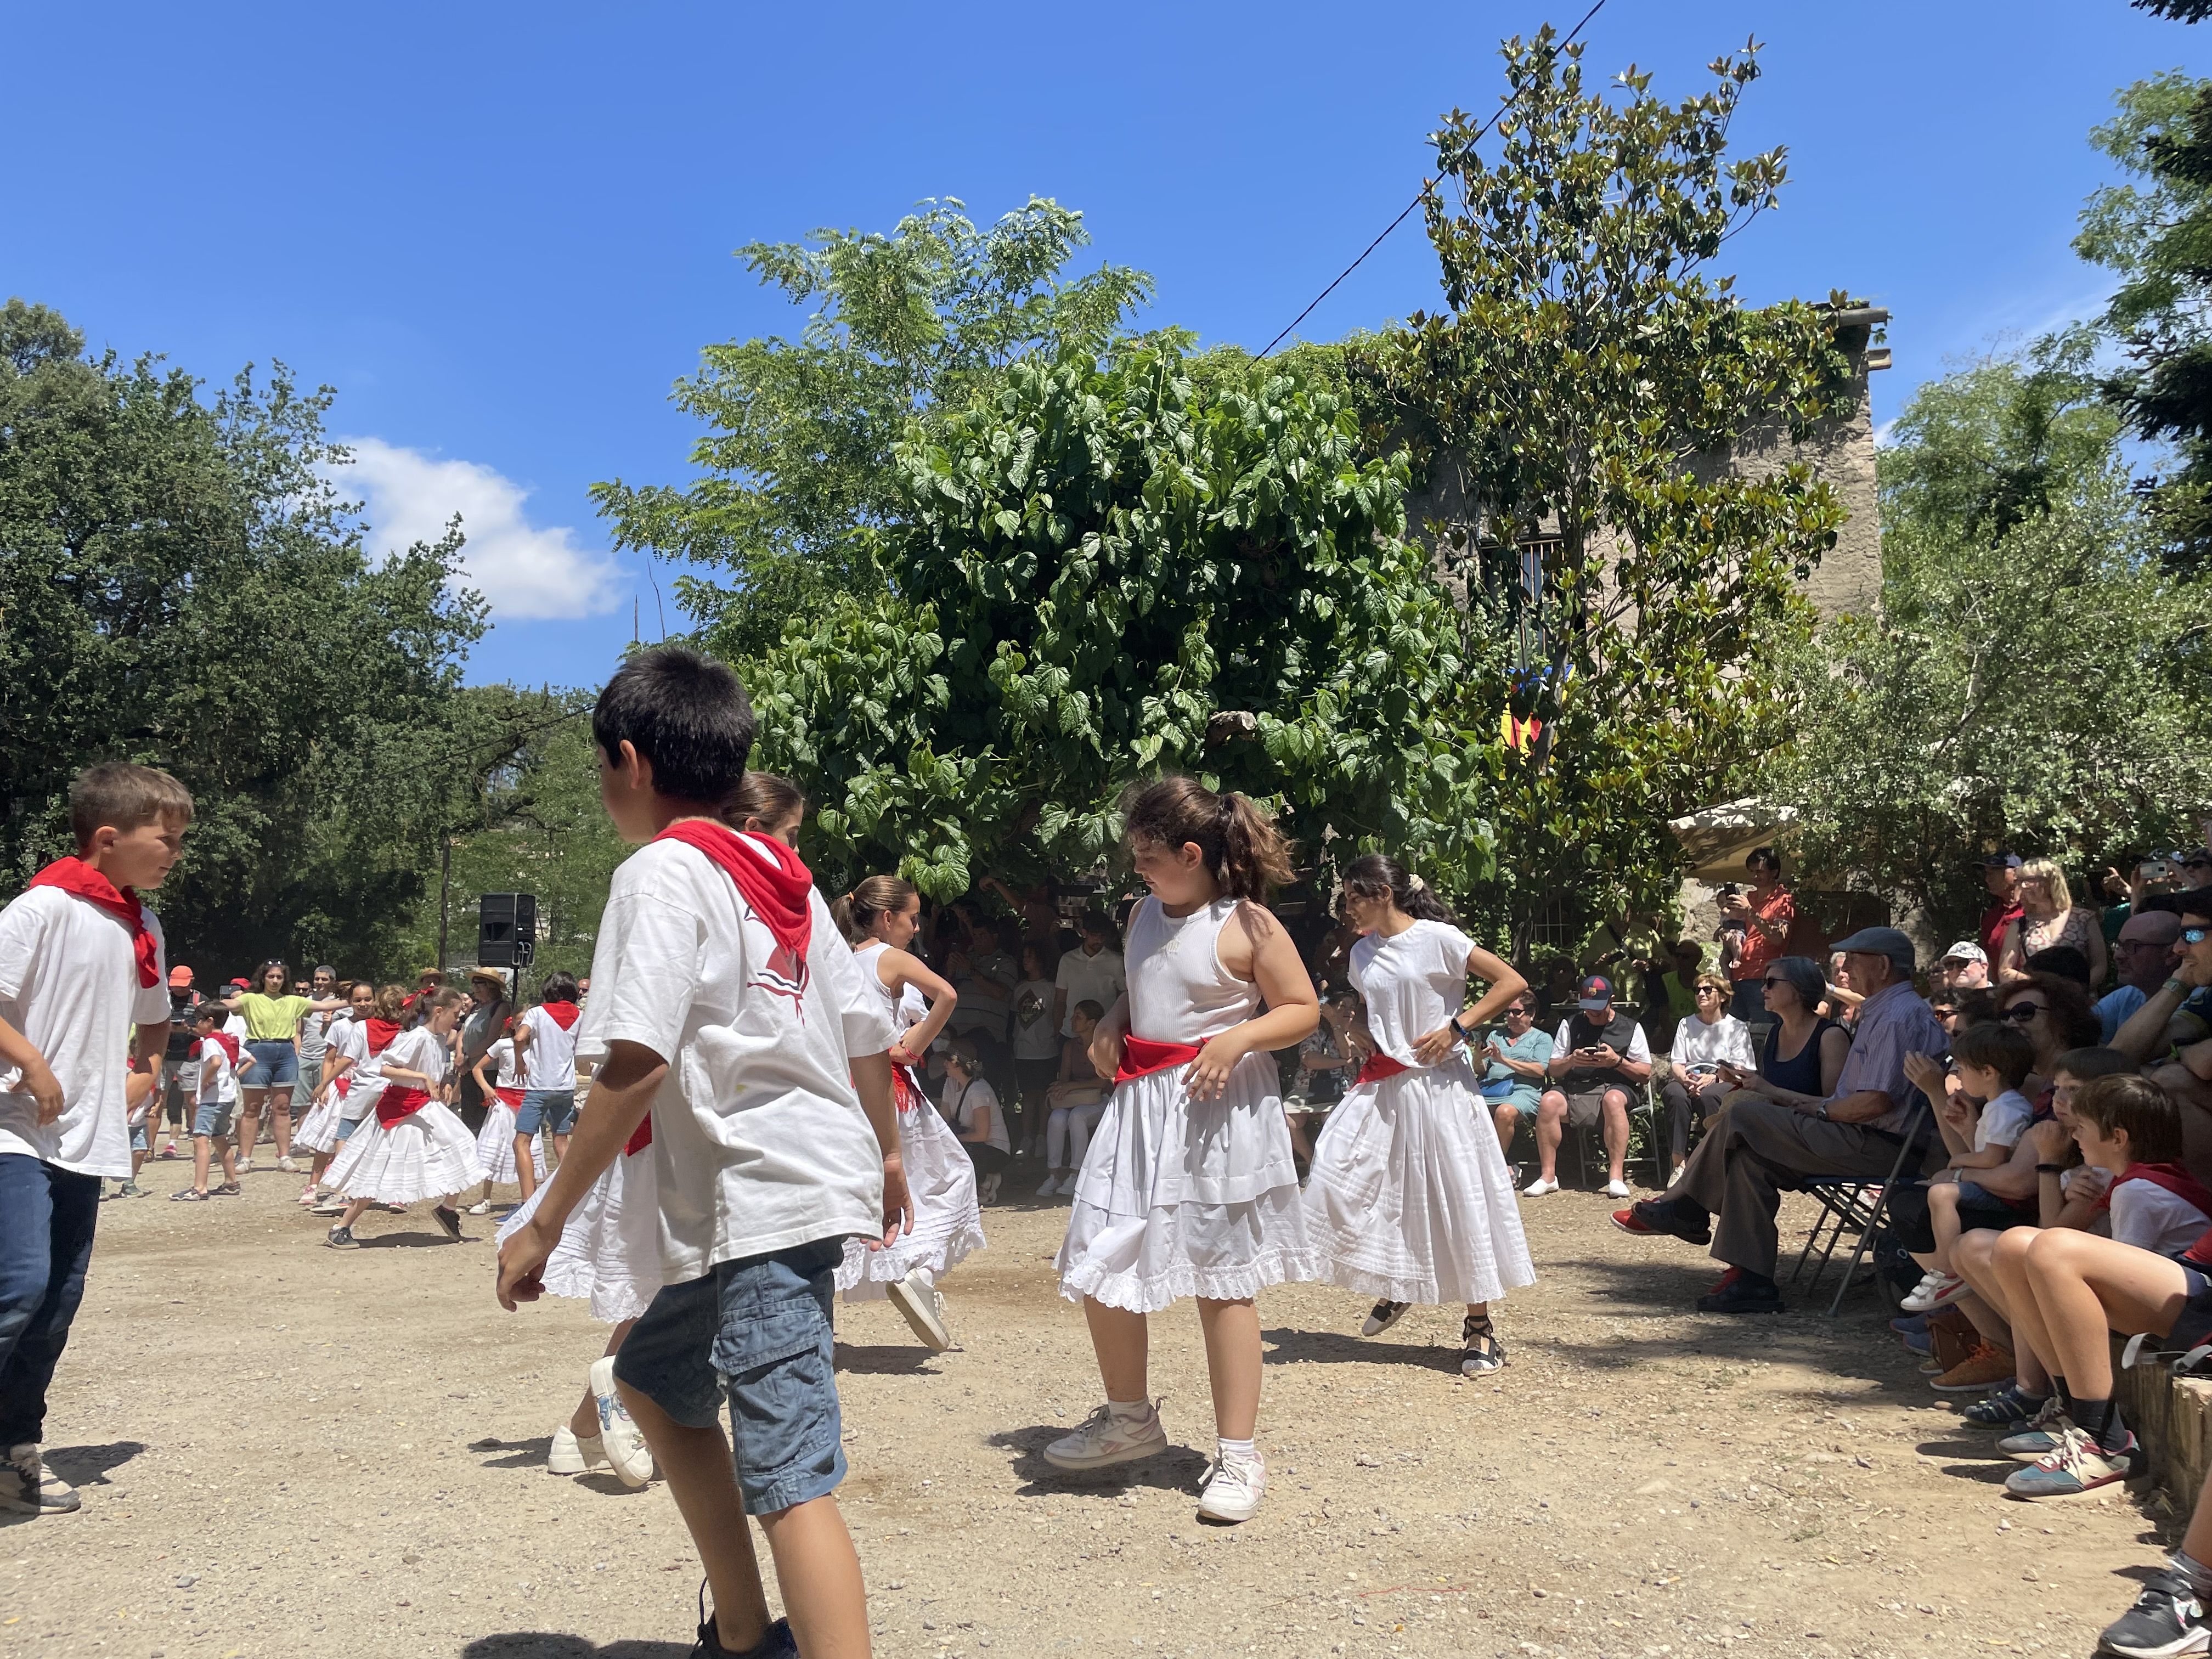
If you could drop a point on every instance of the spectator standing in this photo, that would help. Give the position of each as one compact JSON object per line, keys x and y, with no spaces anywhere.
{"x":1519,"y":1060}
{"x":985,"y":974}
{"x":1767,"y":912}
{"x":2049,"y":918}
{"x":1708,"y":1039}
{"x":180,"y":1083}
{"x":1091,"y":974}
{"x":1601,"y":1059}
{"x":2142,"y":954}
{"x":2001,"y":875}
{"x":486,"y":1024}
{"x":1035,"y":1043}
{"x":314,"y":1037}
{"x":1679,"y":984}
{"x":271,"y":1065}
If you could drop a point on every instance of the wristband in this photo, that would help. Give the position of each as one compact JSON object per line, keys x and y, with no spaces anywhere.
{"x":2050,"y":1169}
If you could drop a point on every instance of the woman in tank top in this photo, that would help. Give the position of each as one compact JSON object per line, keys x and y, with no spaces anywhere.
{"x":1803,"y":1054}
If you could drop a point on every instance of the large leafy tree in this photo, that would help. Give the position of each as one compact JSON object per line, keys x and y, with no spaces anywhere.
{"x":181,"y":584}
{"x":1593,"y":367}
{"x":1097,"y":574}
{"x":2036,"y":678}
{"x":795,"y":468}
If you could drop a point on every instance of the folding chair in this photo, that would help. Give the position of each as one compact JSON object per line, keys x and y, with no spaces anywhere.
{"x":1847,"y":1202}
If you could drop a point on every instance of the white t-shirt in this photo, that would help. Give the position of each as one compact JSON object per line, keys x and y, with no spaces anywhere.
{"x":68,"y":982}
{"x":2147,"y":1215}
{"x":759,"y":1139}
{"x":550,"y":1061}
{"x":2004,"y":1121}
{"x":962,"y":1105}
{"x":1033,"y":1033}
{"x":420,"y":1050}
{"x":500,"y":1059}
{"x":1098,"y":979}
{"x":1412,"y":982}
{"x":1727,"y":1039}
{"x":218,"y":1078}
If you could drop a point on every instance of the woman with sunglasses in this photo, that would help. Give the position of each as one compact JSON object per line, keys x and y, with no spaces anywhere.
{"x":1804,"y":1053}
{"x":1706,"y":1039}
{"x":2050,"y":917}
{"x":2057,"y":1015}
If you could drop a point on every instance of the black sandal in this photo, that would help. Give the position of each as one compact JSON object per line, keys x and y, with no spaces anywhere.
{"x":190,"y":1196}
{"x":1482,"y":1351}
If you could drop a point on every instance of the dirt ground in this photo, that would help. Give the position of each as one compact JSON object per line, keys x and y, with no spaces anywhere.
{"x":287,"y":1450}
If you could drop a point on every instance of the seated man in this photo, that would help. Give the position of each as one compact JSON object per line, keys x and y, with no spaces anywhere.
{"x":1756,"y":1147}
{"x":1599,"y":1059}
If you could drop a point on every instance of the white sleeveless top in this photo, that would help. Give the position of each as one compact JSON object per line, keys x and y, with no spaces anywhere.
{"x":1179,"y":992}
{"x":1412,"y":983}
{"x":905,"y":1005}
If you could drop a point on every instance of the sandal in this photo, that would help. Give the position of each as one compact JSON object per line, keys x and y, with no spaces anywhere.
{"x":190,"y":1196}
{"x":1483,"y":1351}
{"x":228,"y":1189}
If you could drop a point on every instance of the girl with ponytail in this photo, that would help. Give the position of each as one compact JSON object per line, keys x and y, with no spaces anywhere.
{"x":1410,"y":1200}
{"x":880,"y":917}
{"x":1187,"y":1188}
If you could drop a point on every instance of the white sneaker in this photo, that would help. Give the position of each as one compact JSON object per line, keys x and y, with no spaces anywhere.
{"x":1105,"y":1439}
{"x":1935,"y":1289}
{"x":1540,"y":1188}
{"x":1617,"y":1189}
{"x":482,"y":1206}
{"x":923,"y":1304}
{"x":28,"y":1487}
{"x":245,"y":1166}
{"x":1233,"y":1489}
{"x":619,"y":1439}
{"x":288,"y":1165}
{"x":576,"y":1453}
{"x":1051,"y":1184}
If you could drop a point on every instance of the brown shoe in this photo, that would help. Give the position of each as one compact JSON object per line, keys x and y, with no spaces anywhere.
{"x":1978,"y":1372}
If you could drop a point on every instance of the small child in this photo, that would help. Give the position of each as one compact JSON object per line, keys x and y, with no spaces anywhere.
{"x":1994,"y":1059}
{"x":215,"y":1108}
{"x":80,"y":964}
{"x":973,"y":1105}
{"x":1074,"y":1102}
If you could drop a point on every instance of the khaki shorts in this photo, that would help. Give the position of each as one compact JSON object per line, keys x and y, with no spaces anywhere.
{"x":1586,"y":1107}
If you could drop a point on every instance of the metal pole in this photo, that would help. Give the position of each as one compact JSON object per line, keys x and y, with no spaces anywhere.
{"x":445,"y":895}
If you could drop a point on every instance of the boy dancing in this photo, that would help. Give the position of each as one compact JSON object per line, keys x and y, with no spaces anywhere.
{"x":738,"y":1036}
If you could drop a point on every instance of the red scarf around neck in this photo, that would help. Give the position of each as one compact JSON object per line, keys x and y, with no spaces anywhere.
{"x":74,"y":875}
{"x":770,"y":875}
{"x":379,"y":1033}
{"x":228,"y":1043}
{"x":2172,"y":1176}
{"x":562,"y":1014}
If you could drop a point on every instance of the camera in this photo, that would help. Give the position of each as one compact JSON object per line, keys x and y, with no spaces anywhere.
{"x":1728,"y":890}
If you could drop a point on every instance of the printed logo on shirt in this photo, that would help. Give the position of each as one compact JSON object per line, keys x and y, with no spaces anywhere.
{"x":783,"y":974}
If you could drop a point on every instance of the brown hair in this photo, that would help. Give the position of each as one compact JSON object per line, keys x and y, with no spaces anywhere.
{"x":2088,"y":1065}
{"x":856,"y":913}
{"x":1373,"y":876}
{"x":390,"y":1003}
{"x":1994,"y":1046}
{"x":764,"y":798}
{"x":117,"y":795}
{"x":2073,"y":1016}
{"x":1242,"y":850}
{"x":2129,"y":1101}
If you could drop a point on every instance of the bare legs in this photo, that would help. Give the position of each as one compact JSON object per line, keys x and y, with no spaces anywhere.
{"x":585,"y":1423}
{"x":1122,"y":1342}
{"x":1552,"y":1129}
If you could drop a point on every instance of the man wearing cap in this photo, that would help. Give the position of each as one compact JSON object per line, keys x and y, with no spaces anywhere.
{"x":2001,"y":874}
{"x":1599,"y":1059}
{"x":180,"y":1071}
{"x":487,"y":1022}
{"x":2143,"y":953}
{"x":1966,"y":967}
{"x":1732,"y":1186}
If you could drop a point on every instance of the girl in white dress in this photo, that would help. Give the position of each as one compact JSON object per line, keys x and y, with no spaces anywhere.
{"x":345,"y":1046}
{"x":495,"y":1141}
{"x":412,"y":1147}
{"x":880,"y":917}
{"x":1410,"y":1200}
{"x":1187,"y":1188}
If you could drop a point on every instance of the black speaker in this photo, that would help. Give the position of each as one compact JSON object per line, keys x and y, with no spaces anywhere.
{"x":507,"y":929}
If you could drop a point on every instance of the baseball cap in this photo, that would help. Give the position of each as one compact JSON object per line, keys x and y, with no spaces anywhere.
{"x":2001,"y":861}
{"x":179,"y":978}
{"x":1597,"y":992}
{"x":1966,"y":951}
{"x":1880,"y":942}
{"x":242,"y":984}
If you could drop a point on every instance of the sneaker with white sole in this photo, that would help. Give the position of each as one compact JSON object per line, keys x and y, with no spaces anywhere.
{"x":1616,"y":1189}
{"x":624,"y":1444}
{"x":1232,"y":1488}
{"x":1542,"y":1187}
{"x":245,"y":1166}
{"x":482,"y":1206}
{"x":1382,"y":1315}
{"x":341,"y":1238}
{"x":923,"y":1304}
{"x":2077,"y":1465}
{"x":1105,"y":1439}
{"x":576,"y":1453}
{"x":329,"y":1204}
{"x":29,"y":1487}
{"x":2167,"y":1619}
{"x":1935,"y":1288}
{"x":1051,"y":1184}
{"x":288,"y":1165}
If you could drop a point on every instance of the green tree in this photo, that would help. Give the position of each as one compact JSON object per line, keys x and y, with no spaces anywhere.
{"x":180,"y":584}
{"x":2036,"y":678}
{"x":1098,"y":575}
{"x":795,"y":466}
{"x":1629,"y":588}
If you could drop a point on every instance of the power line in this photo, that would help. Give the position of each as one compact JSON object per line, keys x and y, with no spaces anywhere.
{"x":1480,"y":134}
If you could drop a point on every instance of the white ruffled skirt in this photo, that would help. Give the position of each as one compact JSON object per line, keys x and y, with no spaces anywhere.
{"x":948,"y":1222}
{"x":1179,"y":1197}
{"x":426,"y":1154}
{"x":496,"y":1146}
{"x":610,"y":1251}
{"x":1409,"y":1197}
{"x":318,"y":1130}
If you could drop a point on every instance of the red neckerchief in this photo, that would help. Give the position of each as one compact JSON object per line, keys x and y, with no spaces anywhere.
{"x":224,"y":1041}
{"x":379,"y":1033}
{"x":2172,"y":1176}
{"x":74,"y":875}
{"x":1141,"y":1057}
{"x":1378,"y":1067}
{"x":779,"y":887}
{"x":562,"y":1014}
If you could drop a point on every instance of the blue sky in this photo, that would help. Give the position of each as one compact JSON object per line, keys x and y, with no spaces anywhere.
{"x":502,"y":231}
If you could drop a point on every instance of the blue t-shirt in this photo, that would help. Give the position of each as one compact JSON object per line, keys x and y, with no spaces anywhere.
{"x":1533,"y":1047}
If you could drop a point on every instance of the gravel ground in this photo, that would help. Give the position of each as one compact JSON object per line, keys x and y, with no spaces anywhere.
{"x":286,"y":1451}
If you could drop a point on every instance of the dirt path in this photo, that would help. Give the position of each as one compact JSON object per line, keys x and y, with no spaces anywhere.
{"x":286,"y":1451}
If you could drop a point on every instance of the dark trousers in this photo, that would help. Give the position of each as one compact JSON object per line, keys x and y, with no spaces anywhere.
{"x":46,"y":1218}
{"x":1683,"y":1111}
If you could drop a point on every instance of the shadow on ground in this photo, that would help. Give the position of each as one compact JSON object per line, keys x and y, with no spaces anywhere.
{"x":546,"y":1644}
{"x":1177,"y":1468}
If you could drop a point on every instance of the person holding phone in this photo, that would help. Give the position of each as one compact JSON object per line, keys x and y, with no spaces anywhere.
{"x":1599,"y":1059}
{"x":1709,"y":1037}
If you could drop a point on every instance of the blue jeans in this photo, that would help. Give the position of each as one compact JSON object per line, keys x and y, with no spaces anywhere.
{"x":46,"y":1218}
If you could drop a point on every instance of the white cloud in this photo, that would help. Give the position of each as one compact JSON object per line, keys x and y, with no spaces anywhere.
{"x":523,"y":569}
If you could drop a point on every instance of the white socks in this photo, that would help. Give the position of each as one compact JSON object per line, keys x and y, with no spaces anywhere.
{"x":1243,"y":1450}
{"x":1128,"y":1411}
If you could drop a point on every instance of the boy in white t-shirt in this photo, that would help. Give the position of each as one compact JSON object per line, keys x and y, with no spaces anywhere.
{"x":214,"y":1110}
{"x":726,"y":1006}
{"x":79,"y":964}
{"x":1993,"y":1060}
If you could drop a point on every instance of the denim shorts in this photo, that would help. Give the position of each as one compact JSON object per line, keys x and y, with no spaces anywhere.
{"x":553,"y":1110}
{"x":346,"y":1126}
{"x":139,"y":1141}
{"x":279,"y":1067}
{"x":755,"y":1334}
{"x":212,"y":1117}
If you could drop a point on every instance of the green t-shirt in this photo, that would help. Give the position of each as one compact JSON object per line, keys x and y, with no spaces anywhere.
{"x":272,"y":1019}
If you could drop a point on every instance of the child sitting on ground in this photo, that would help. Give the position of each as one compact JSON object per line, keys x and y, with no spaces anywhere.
{"x":1993,"y":1061}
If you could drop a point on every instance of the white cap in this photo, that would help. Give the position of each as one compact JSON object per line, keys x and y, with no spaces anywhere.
{"x":1966,"y":951}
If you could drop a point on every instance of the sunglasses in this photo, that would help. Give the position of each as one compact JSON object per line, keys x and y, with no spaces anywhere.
{"x":2024,"y":1013}
{"x":2195,"y":935}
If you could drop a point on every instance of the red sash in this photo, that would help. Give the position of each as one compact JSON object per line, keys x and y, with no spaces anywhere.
{"x":2172,"y":1176}
{"x":562,"y":1014}
{"x":345,"y":1086}
{"x":1141,"y":1057}
{"x":511,"y":1097}
{"x":640,"y":1136}
{"x":395,"y":1103}
{"x":378,"y":1033}
{"x":906,"y":1093}
{"x":1378,"y":1067}
{"x":74,"y":875}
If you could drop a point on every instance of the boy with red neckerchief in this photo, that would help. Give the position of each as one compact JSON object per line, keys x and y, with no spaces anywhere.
{"x":737,"y":1033}
{"x":79,"y":964}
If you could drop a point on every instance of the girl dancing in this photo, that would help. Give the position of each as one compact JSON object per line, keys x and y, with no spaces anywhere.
{"x":413,"y":1147}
